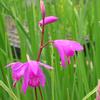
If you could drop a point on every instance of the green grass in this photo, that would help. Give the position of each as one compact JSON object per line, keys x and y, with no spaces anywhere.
{"x":78,"y":20}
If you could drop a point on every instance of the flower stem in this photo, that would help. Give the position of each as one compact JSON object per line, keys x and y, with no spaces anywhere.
{"x":41,"y":93}
{"x":35,"y":94}
{"x":40,"y":51}
{"x":50,"y":41}
{"x":41,"y":44}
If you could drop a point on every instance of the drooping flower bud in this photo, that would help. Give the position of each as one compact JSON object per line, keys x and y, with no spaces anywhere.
{"x":48,"y":20}
{"x":42,"y":8}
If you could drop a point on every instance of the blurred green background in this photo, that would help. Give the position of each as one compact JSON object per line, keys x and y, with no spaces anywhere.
{"x":77,"y":20}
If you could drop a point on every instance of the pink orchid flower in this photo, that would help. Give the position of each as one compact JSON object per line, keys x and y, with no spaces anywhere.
{"x":66,"y":49}
{"x":31,"y":73}
{"x":42,"y":8}
{"x":48,"y":20}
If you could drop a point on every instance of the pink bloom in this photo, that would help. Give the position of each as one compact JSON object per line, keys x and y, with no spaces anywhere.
{"x":42,"y":8}
{"x":31,"y":73}
{"x":48,"y":20}
{"x":66,"y":49}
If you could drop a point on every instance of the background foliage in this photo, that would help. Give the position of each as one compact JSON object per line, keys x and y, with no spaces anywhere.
{"x":78,"y":20}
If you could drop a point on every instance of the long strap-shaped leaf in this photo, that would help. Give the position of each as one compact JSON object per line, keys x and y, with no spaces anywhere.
{"x":9,"y":91}
{"x":90,"y":93}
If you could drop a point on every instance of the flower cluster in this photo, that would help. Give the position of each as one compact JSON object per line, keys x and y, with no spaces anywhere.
{"x":31,"y":71}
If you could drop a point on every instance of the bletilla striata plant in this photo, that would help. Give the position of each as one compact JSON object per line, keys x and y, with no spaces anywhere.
{"x":30,"y":71}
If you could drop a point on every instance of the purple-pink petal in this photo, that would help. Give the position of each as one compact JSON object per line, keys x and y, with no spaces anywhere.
{"x":74,"y":45}
{"x":18,"y":69}
{"x":14,"y":65}
{"x":41,"y":77}
{"x":34,"y":66}
{"x":69,"y":43}
{"x":61,"y":53}
{"x":48,"y":20}
{"x":66,"y":49}
{"x":9,"y":65}
{"x":17,"y":66}
{"x":26,"y":79}
{"x":46,"y":66}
